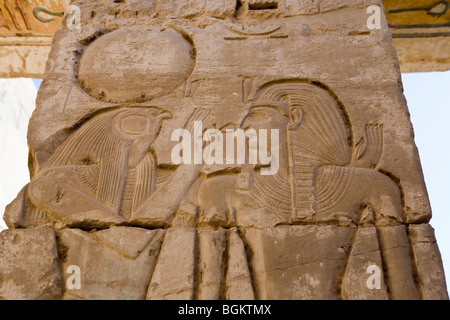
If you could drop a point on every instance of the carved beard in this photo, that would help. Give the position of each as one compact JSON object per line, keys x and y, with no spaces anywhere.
{"x":140,"y":184}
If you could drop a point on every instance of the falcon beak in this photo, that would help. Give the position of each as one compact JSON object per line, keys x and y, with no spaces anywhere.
{"x":166,"y":116}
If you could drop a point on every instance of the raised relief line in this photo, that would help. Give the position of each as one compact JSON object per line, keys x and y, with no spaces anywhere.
{"x":235,"y":38}
{"x":255,"y":32}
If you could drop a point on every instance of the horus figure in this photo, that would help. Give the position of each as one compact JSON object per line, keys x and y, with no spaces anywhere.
{"x":106,"y":173}
{"x":320,"y":180}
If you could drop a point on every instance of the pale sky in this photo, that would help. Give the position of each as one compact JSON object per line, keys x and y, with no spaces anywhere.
{"x":429,"y":106}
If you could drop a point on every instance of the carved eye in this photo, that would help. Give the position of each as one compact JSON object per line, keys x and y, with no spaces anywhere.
{"x":262,"y":113}
{"x":153,"y":113}
{"x":259,"y":116}
{"x":135,"y":125}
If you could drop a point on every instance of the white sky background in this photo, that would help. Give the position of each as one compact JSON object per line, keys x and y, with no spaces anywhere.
{"x":17,"y":101}
{"x":429,"y":106}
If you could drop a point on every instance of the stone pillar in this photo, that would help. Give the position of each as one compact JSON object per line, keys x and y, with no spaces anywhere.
{"x":148,"y":156}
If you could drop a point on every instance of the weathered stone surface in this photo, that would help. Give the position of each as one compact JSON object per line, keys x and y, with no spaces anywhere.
{"x":364,"y":255}
{"x":428,"y":262}
{"x":173,"y":278}
{"x":13,"y":211}
{"x":299,"y":262}
{"x":21,"y":213}
{"x":29,"y":267}
{"x":238,"y":278}
{"x":163,"y":64}
{"x":269,"y":141}
{"x":396,"y":252}
{"x":114,"y":264}
{"x":218,"y":49}
{"x":211,"y":263}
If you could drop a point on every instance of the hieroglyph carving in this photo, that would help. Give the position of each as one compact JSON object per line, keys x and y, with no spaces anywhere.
{"x":106,"y":173}
{"x":231,"y":151}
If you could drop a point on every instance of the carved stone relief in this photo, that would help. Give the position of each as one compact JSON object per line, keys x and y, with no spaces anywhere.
{"x":341,"y":193}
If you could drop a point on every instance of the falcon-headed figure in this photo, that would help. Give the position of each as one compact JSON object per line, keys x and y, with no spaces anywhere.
{"x":105,"y":171}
